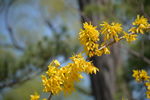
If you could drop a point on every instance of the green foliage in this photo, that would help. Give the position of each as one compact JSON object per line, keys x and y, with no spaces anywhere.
{"x":7,"y":59}
{"x":38,"y":54}
{"x":24,"y":90}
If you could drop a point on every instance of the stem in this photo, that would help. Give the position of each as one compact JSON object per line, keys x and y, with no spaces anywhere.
{"x":113,"y":42}
{"x":50,"y":96}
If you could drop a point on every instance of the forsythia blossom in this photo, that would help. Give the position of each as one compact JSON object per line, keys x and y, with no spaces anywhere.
{"x":89,"y":37}
{"x":130,"y":37}
{"x":35,"y":97}
{"x":140,"y":25}
{"x":111,"y":31}
{"x":142,"y":76}
{"x":147,"y":84}
{"x":59,"y":79}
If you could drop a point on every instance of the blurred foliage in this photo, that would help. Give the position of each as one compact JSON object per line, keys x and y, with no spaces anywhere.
{"x":25,"y":89}
{"x":41,"y":43}
{"x":38,"y":54}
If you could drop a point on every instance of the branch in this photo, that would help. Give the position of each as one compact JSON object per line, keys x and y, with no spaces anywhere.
{"x":137,"y":54}
{"x":49,"y":24}
{"x":145,"y":59}
{"x":114,"y":41}
{"x":50,"y":96}
{"x":20,"y":80}
{"x":11,"y":83}
{"x":9,"y":28}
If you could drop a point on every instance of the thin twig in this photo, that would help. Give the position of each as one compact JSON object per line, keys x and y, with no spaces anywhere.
{"x":137,"y":54}
{"x":8,"y":26}
{"x":114,"y":41}
{"x":19,"y":81}
{"x":50,"y":96}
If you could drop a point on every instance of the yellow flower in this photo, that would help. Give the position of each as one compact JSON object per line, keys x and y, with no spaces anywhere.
{"x":111,"y":31}
{"x":52,"y":84}
{"x":35,"y":97}
{"x":140,"y":20}
{"x":148,"y":94}
{"x":147,"y":84}
{"x":63,"y":78}
{"x":106,"y":51}
{"x":55,"y":63}
{"x":68,"y":88}
{"x":89,"y":37}
{"x":140,"y":75}
{"x":130,"y":37}
{"x":140,"y":25}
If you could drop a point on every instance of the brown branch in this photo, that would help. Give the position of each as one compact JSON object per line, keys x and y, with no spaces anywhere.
{"x":145,"y":59}
{"x":114,"y":41}
{"x":50,"y":96}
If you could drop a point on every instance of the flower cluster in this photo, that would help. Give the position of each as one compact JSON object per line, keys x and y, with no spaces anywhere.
{"x":59,"y":79}
{"x":140,"y":25}
{"x":89,"y":37}
{"x":113,"y":32}
{"x":142,"y":76}
{"x":130,"y":37}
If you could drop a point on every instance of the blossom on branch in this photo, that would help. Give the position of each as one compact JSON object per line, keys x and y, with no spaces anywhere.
{"x":140,"y":25}
{"x":62,"y":79}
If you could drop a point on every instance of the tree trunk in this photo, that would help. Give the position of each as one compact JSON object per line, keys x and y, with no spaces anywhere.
{"x":103,"y":83}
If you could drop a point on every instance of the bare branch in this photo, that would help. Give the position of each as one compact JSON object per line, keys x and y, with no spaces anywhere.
{"x":50,"y":96}
{"x":11,"y":83}
{"x":20,"y":80}
{"x":137,"y":54}
{"x":49,"y":24}
{"x":9,"y":28}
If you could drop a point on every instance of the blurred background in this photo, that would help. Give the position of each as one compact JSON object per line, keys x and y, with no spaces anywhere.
{"x":34,"y":32}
